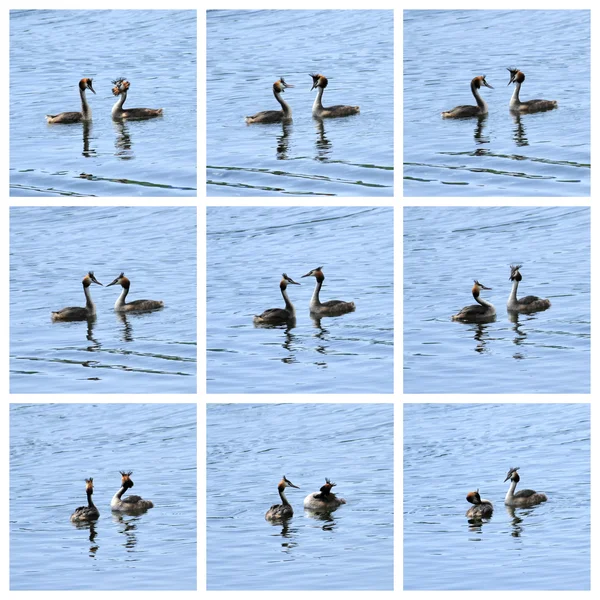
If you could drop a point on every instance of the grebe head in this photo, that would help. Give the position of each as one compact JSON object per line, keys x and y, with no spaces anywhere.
{"x":89,"y":485}
{"x":516,"y":76}
{"x":479,"y":81}
{"x":318,"y":273}
{"x":86,"y":84}
{"x":280,"y":86}
{"x":284,"y":282}
{"x":326,"y":489}
{"x":513,"y":475}
{"x":285,"y":482}
{"x":474,"y":497}
{"x":123,"y":281}
{"x":318,"y":81}
{"x":514,"y":273}
{"x":477,"y":287}
{"x":89,"y":279}
{"x":121,"y":85}
{"x":125,"y":479}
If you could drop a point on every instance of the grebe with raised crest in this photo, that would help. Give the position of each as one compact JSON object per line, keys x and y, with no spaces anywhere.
{"x":121,"y":86}
{"x":529,"y":106}
{"x":274,"y":116}
{"x":89,"y":512}
{"x":339,"y":110}
{"x":528,"y":303}
{"x":77,"y":313}
{"x":324,"y":499}
{"x":76,"y":117}
{"x":129,"y":503}
{"x":466,"y":110}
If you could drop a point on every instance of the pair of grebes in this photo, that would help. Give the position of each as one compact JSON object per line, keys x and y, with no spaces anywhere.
{"x":517,"y":77}
{"x":318,"y":110}
{"x":77,"y":313}
{"x":323,"y":501}
{"x":129,"y":504}
{"x":120,"y":89}
{"x":483,"y":509}
{"x":485,"y":310}
{"x":280,"y":316}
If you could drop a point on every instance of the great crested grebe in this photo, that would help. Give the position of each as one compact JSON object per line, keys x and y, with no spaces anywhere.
{"x":530,"y":106}
{"x":135,"y":305}
{"x":76,"y":313}
{"x":89,"y":512}
{"x":130,"y":503}
{"x":483,"y":509}
{"x":330,"y":308}
{"x":522,"y":497}
{"x":318,"y":110}
{"x":527,"y":304}
{"x":476,"y":312}
{"x":323,"y":500}
{"x":118,"y":112}
{"x":283,"y":510}
{"x":279,"y":316}
{"x":275,"y":116}
{"x":76,"y":117}
{"x":471,"y":111}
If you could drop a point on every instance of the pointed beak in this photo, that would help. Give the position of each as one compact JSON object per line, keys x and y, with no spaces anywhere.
{"x":113,"y":282}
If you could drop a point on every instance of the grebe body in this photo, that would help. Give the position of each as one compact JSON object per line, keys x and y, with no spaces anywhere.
{"x":279,"y":316}
{"x":482,"y":509}
{"x":339,"y":110}
{"x":121,"y":86}
{"x":76,"y":117}
{"x":527,"y":304}
{"x":129,"y":503}
{"x":530,"y":106}
{"x":77,"y":313}
{"x":134,"y":305}
{"x":274,"y":116}
{"x":330,"y":308}
{"x":522,"y":497}
{"x":89,"y":512}
{"x":476,"y":312}
{"x":459,"y":112}
{"x":323,"y":500}
{"x":284,"y":510}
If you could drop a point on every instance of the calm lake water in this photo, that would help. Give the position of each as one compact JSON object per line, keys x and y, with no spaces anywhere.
{"x":151,"y":352}
{"x":248,"y":51}
{"x":50,"y":51}
{"x":247,"y":251}
{"x":451,"y":449}
{"x":351,"y":548}
{"x":56,"y":447}
{"x":445,"y":249}
{"x":543,"y":154}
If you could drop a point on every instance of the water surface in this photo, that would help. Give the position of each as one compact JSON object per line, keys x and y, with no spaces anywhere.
{"x":350,"y":156}
{"x":451,"y":449}
{"x":542,"y":154}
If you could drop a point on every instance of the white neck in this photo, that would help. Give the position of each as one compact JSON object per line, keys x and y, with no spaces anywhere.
{"x":482,"y":301}
{"x":512,"y":299}
{"x":514,"y":101}
{"x":287,"y":111}
{"x":118,"y":107}
{"x":86,"y":111}
{"x":89,"y":304}
{"x":121,"y":299}
{"x":117,"y":497}
{"x":288,"y":305}
{"x":480,"y":101}
{"x":314,"y":301}
{"x":318,"y":106}
{"x":511,"y":491}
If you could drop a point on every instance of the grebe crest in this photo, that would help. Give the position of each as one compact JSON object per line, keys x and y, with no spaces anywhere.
{"x":89,"y":512}
{"x":528,"y":304}
{"x":324,"y":499}
{"x":522,"y":497}
{"x":76,"y":117}
{"x":76,"y":313}
{"x":274,"y":116}
{"x":484,"y":311}
{"x":284,"y":510}
{"x":135,"y":305}
{"x":279,"y":316}
{"x":331,"y":308}
{"x":481,"y":109}
{"x":339,"y":110}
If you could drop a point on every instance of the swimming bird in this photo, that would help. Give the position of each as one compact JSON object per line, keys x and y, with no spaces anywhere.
{"x":323,"y":500}
{"x":339,"y":110}
{"x":476,"y":312}
{"x":76,"y":117}
{"x":331,"y":308}
{"x":482,"y":509}
{"x":522,"y":497}
{"x":466,"y":110}
{"x":76,"y":313}
{"x":134,"y":305}
{"x":529,"y":106}
{"x":284,"y":510}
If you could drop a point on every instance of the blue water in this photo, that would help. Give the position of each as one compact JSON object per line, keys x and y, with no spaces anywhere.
{"x":451,"y":449}
{"x":247,"y":251}
{"x":250,"y":447}
{"x":543,"y":154}
{"x":247,"y":51}
{"x":51,"y":50}
{"x":54,"y":448}
{"x":52,"y":248}
{"x":445,"y":249}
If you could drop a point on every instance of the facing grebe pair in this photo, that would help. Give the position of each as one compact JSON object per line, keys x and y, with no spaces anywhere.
{"x":322,"y":501}
{"x":279,"y":316}
{"x":318,"y":110}
{"x":75,"y":313}
{"x":517,"y":77}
